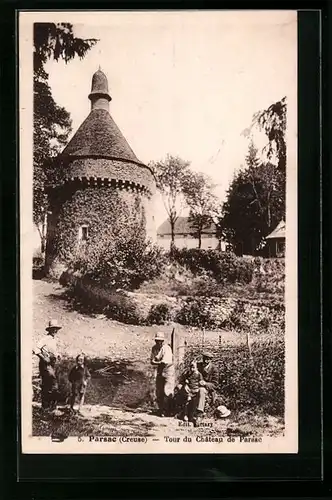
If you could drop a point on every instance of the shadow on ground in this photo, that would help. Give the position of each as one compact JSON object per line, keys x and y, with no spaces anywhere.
{"x":65,"y":424}
{"x":117,"y":383}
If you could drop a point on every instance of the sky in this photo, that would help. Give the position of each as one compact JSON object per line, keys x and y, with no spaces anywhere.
{"x":183,"y":83}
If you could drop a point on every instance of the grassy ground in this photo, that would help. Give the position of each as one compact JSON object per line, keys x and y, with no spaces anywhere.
{"x":119,"y":399}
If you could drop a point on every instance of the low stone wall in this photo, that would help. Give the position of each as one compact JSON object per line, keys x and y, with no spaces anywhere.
{"x":213,"y":313}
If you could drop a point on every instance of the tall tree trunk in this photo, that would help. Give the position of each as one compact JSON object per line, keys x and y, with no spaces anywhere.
{"x":42,"y":237}
{"x":199,"y":239}
{"x":269,"y":222}
{"x":172,"y":223}
{"x":43,"y":232}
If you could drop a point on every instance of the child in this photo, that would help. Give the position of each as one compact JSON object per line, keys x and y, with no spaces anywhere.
{"x":79,"y":376}
{"x":190,"y":388}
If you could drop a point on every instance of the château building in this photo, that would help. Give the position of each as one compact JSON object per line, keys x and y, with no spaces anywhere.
{"x":101,"y":189}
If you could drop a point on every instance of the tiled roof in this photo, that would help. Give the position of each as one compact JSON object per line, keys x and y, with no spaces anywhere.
{"x":182,"y":226}
{"x":99,"y":149}
{"x":279,"y":231}
{"x":99,"y":136}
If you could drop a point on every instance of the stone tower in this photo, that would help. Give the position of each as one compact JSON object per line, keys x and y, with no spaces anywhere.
{"x":100,"y":186}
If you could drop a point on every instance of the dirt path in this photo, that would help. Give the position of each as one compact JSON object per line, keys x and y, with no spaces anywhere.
{"x":98,"y":335}
{"x":98,"y":420}
{"x":113,"y":403}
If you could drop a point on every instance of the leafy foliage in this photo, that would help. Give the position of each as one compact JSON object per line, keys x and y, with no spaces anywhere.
{"x":224,"y":267}
{"x":254,"y":206}
{"x":198,"y":191}
{"x":125,"y":264}
{"x":52,"y":126}
{"x":239,"y":315}
{"x":52,"y":123}
{"x":273,"y":121}
{"x":89,"y":297}
{"x":255,"y":382}
{"x":120,"y":256}
{"x":57,"y":41}
{"x":171,"y":175}
{"x":159,"y":314}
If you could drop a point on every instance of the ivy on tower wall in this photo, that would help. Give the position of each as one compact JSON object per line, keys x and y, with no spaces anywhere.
{"x":111,"y":214}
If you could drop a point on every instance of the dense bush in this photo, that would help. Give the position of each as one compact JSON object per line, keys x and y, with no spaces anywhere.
{"x":250,"y":383}
{"x":38,"y":264}
{"x":178,"y":281}
{"x":123,"y":263}
{"x":38,"y":260}
{"x":90,"y":297}
{"x":223,"y":266}
{"x":116,"y":249}
{"x":105,"y":268}
{"x":159,"y":314}
{"x":215,"y":312}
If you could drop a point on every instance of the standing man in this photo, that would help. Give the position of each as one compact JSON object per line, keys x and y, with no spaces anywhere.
{"x":208,"y":385}
{"x":162,"y":359}
{"x":48,"y":358}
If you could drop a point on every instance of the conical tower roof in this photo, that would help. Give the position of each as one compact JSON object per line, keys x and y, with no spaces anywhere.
{"x":98,"y":148}
{"x":100,"y":136}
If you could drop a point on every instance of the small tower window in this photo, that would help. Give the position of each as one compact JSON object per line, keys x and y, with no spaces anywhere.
{"x":83,"y":233}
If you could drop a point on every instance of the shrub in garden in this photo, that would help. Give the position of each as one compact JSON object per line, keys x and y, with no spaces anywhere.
{"x":269,"y":276}
{"x":246,"y":382}
{"x":159,"y":314}
{"x":121,"y":263}
{"x":94,"y":298}
{"x":38,"y":260}
{"x":223,"y":266}
{"x":116,"y":250}
{"x":193,"y":314}
{"x":204,"y":312}
{"x":256,"y":382}
{"x":38,"y":264}
{"x":237,"y":320}
{"x":239,"y":315}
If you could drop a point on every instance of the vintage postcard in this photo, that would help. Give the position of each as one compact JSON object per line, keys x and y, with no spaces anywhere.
{"x":158,"y":219}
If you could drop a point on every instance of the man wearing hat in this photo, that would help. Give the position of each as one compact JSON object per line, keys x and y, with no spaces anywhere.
{"x":162,"y":359}
{"x":209,"y":383}
{"x":47,"y":354}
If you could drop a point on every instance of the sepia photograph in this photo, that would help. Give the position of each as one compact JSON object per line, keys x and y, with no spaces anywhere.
{"x":158,"y":222}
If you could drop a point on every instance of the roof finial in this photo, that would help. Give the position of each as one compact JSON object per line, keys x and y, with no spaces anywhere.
{"x":99,"y":94}
{"x":99,"y":68}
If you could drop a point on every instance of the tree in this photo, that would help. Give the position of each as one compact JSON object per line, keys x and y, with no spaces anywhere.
{"x":254,"y":205}
{"x":52,"y":126}
{"x":52,"y":123}
{"x":273,"y":121}
{"x":171,"y":176}
{"x":198,"y":191}
{"x":273,"y":195}
{"x":57,"y":41}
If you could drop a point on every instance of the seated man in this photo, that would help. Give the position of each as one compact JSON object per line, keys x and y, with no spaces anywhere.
{"x":188,"y":390}
{"x":208,"y":385}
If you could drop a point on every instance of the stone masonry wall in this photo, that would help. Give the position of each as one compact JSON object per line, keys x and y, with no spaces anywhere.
{"x":106,"y":211}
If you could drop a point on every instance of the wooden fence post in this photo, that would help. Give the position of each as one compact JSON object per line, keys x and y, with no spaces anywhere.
{"x":173,"y":341}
